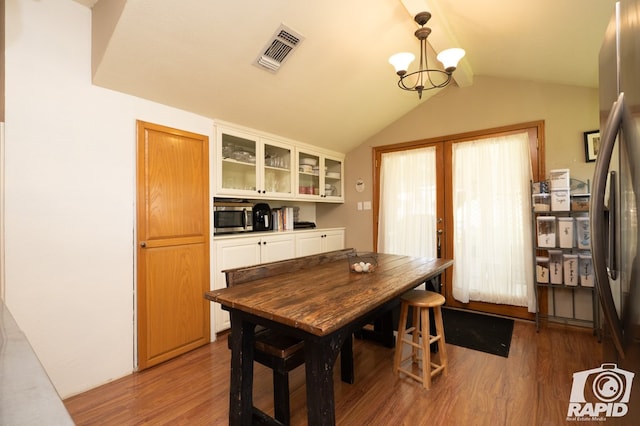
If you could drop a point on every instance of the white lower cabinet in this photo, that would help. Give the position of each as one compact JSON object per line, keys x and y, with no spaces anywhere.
{"x":333,"y":240}
{"x":277,"y":247}
{"x":309,"y":243}
{"x":239,"y":251}
{"x":246,"y":251}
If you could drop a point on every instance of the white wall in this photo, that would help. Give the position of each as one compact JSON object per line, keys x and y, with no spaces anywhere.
{"x":70,"y":196}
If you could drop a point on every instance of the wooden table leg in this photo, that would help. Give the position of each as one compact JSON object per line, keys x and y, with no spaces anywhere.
{"x":320,"y":358}
{"x":241,"y":383}
{"x":346,"y":361}
{"x":384,"y":325}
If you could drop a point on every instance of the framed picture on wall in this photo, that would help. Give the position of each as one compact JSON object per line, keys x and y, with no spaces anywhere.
{"x":591,"y":145}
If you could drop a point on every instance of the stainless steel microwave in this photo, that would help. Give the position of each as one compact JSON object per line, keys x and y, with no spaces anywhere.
{"x":230,"y":216}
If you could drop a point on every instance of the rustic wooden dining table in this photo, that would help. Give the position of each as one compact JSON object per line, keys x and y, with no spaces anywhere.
{"x":323,"y":305}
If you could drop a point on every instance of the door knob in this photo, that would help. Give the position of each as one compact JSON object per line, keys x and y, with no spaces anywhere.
{"x":143,"y":244}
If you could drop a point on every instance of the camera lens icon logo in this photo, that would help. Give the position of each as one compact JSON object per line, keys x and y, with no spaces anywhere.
{"x":608,"y":387}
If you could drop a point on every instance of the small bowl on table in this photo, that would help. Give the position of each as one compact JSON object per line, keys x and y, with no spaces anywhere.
{"x":362,"y":263}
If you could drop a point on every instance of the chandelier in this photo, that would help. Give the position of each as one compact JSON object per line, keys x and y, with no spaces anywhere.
{"x":425,"y":78}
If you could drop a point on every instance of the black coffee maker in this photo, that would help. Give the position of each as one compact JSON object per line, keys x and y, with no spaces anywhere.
{"x":262,"y":217}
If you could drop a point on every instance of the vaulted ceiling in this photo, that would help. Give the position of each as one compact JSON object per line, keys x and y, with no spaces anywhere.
{"x":336,"y":89}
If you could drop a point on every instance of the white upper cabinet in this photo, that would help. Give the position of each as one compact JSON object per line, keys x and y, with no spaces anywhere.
{"x":319,"y":176}
{"x":251,"y":164}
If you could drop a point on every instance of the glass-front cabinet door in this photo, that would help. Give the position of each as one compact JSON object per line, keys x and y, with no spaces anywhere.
{"x":278,"y":161}
{"x":333,"y":178}
{"x":308,"y":174}
{"x":237,"y":168}
{"x":319,"y":176}
{"x":252,"y":166}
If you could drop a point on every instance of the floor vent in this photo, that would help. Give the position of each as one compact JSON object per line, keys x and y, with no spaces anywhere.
{"x":278,"y":49}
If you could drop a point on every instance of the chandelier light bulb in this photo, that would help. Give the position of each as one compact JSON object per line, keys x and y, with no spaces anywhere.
{"x":401,"y":62}
{"x":450,"y":58}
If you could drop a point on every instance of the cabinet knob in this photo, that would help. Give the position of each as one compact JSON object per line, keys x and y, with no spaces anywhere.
{"x":143,"y":244}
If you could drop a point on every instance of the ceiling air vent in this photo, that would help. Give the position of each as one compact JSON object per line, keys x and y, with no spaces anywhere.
{"x":278,"y":49}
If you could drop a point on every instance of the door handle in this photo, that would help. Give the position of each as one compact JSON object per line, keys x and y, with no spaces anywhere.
{"x":143,"y":244}
{"x":618,"y":118}
{"x":613,"y":238}
{"x":439,"y":234}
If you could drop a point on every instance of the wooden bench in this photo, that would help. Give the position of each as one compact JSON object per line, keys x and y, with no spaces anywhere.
{"x":280,"y":352}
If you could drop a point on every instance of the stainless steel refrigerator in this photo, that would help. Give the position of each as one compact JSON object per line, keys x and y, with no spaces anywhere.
{"x":614,"y":206}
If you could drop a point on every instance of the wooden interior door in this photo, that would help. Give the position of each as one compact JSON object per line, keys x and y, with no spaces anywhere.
{"x":173,"y":242}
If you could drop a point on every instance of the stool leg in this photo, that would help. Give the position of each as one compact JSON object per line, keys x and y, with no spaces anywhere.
{"x":426,"y":349}
{"x":441,"y":344}
{"x":402,"y":325}
{"x":415,"y":356}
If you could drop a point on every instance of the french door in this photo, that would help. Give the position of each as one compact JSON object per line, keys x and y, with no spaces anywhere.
{"x":441,"y":212}
{"x":411,"y":185}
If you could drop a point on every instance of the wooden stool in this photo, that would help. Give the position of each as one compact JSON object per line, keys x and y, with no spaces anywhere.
{"x":421,"y":301}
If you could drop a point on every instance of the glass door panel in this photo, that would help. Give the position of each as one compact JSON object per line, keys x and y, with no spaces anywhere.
{"x":332,"y":178}
{"x":277,"y":169}
{"x":308,"y":174}
{"x":238,"y":163}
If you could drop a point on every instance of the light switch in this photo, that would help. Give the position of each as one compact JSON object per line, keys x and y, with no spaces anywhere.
{"x":367,"y":205}
{"x":359,"y":205}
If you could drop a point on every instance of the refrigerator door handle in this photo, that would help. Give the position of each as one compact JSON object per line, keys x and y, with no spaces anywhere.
{"x":613,"y":215}
{"x":596,"y":220}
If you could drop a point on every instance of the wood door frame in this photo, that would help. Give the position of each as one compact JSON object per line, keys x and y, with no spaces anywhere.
{"x":535,"y":129}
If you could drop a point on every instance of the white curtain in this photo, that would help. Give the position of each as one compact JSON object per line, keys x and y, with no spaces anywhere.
{"x":407,"y":218}
{"x":492,"y":221}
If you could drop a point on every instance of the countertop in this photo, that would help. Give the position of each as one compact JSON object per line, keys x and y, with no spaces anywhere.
{"x":27,"y":396}
{"x":230,"y":235}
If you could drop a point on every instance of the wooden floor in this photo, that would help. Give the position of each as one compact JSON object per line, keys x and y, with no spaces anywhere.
{"x":530,"y":387}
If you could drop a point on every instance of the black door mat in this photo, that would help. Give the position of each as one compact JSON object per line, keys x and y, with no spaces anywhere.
{"x":480,"y":332}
